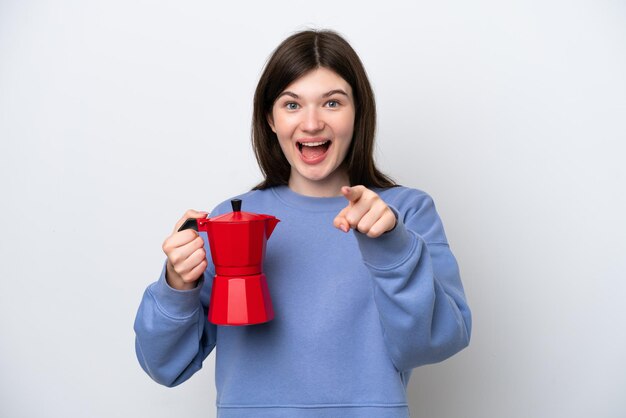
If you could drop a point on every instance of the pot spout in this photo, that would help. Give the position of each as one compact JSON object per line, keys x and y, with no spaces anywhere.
{"x":270,"y":225}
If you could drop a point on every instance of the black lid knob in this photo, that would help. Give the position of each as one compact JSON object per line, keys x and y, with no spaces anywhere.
{"x":236,"y":204}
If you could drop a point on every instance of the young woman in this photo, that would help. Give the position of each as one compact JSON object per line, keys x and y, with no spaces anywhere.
{"x":363,"y":282}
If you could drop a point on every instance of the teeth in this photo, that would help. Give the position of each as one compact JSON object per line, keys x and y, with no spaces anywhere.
{"x":313,"y":144}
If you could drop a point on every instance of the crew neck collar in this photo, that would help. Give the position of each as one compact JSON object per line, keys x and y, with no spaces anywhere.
{"x":314,"y":204}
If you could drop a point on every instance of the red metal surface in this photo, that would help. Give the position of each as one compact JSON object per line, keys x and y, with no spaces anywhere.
{"x":237,"y":240}
{"x":240,"y":300}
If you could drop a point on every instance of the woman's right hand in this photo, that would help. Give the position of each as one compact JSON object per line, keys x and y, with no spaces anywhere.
{"x":186,"y":257}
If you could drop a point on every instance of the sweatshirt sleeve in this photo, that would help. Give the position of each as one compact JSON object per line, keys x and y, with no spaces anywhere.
{"x":173,"y":336}
{"x":417,"y":286}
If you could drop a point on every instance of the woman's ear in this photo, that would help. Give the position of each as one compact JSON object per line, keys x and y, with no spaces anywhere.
{"x":270,"y":121}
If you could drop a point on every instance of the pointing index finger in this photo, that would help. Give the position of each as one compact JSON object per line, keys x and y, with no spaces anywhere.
{"x":353,"y":194}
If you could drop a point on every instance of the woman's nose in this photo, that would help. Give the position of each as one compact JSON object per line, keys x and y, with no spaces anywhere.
{"x":312,"y":121}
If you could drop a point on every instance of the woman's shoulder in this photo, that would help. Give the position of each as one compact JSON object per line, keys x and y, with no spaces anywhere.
{"x":402,"y":196}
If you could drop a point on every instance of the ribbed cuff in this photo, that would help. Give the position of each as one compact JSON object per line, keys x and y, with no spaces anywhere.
{"x":179,"y":304}
{"x":389,"y":249}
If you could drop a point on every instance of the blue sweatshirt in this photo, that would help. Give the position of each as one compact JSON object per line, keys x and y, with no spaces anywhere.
{"x":353,"y":315}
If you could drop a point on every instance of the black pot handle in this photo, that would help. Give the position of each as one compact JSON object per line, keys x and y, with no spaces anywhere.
{"x":190,"y":223}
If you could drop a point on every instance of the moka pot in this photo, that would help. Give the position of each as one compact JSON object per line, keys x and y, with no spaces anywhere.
{"x":239,"y":295}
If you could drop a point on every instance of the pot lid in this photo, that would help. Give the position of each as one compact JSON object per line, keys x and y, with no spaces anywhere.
{"x":238,"y":216}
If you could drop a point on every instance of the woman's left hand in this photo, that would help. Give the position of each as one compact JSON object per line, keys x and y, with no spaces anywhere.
{"x":366,"y":212}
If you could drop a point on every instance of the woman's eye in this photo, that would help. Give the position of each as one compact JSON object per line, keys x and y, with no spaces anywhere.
{"x":332,"y":103}
{"x":291,"y":106}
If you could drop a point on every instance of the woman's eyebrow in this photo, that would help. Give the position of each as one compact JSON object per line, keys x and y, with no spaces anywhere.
{"x":328,"y":94}
{"x":336,"y":91}
{"x":288,"y":93}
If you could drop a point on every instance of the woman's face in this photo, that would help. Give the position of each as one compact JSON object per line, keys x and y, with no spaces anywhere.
{"x":313,"y":119}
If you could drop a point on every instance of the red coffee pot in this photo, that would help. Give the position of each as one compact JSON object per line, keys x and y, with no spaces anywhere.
{"x":240,"y":295}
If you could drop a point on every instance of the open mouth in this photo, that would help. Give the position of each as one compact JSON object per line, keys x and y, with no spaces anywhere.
{"x":312,"y":150}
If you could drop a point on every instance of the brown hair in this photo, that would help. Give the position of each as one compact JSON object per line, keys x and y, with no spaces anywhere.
{"x":295,"y":56}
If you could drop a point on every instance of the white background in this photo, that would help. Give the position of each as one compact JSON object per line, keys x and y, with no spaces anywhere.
{"x":117,"y":116}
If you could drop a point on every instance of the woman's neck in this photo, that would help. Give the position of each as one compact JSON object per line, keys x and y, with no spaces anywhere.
{"x":328,"y":187}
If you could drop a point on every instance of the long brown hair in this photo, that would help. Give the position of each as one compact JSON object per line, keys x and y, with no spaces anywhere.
{"x":294,"y":57}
